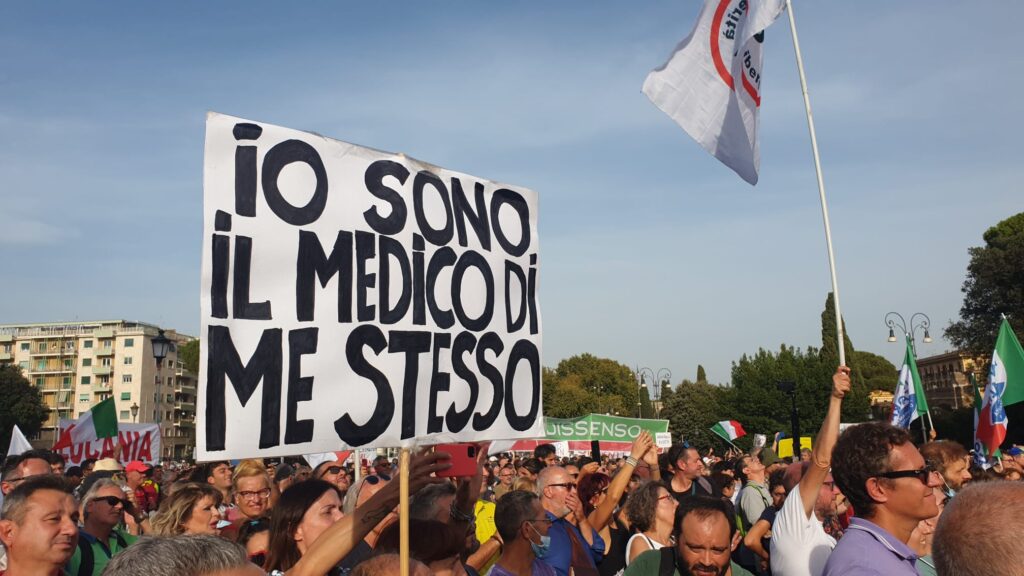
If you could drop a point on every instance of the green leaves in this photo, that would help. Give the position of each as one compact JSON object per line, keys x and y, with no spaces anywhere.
{"x":22,"y":404}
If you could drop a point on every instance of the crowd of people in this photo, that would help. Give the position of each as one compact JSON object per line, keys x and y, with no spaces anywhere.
{"x":867,"y":501}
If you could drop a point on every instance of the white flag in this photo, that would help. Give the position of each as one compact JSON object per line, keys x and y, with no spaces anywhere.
{"x":19,"y":444}
{"x":711,"y":85}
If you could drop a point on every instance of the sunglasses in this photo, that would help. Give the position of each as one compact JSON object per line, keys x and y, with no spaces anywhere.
{"x":566,"y":485}
{"x":258,"y":558}
{"x":331,"y":470}
{"x":112,"y":501}
{"x":923,"y":475}
{"x":373,"y":479}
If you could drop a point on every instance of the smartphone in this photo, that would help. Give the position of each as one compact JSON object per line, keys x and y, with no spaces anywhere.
{"x":463,"y":460}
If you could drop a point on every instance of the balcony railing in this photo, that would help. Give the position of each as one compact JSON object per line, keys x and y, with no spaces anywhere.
{"x":103,"y":351}
{"x":102,"y":370}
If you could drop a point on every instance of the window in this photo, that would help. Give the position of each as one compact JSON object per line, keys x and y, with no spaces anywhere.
{"x":24,"y":346}
{"x":87,"y":344}
{"x":127,"y":360}
{"x":86,"y":362}
{"x":126,"y":395}
{"x":83,"y":397}
{"x":129,"y":342}
{"x":126,"y":379}
{"x":124,"y":416}
{"x":7,"y":348}
{"x":104,"y":380}
{"x":66,"y":382}
{"x":23,"y":365}
{"x":67,"y":363}
{"x":108,"y":343}
{"x":170,"y":397}
{"x":105,"y":361}
{"x":41,"y":347}
{"x":40,"y":365}
{"x":86,"y":380}
{"x":40,"y":381}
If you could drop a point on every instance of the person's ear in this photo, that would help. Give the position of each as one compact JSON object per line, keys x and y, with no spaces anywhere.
{"x":736,"y":539}
{"x":8,"y":529}
{"x":298,"y":535}
{"x":876,"y":490}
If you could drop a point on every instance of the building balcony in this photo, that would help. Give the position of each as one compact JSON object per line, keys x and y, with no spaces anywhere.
{"x":103,"y":351}
{"x":185,"y":404}
{"x":182,"y":388}
{"x":185,"y":422}
{"x":6,"y":356}
{"x":102,"y":370}
{"x":51,"y":352}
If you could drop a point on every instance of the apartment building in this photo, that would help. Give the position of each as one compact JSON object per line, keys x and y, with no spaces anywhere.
{"x":945,"y":378}
{"x":77,"y":364}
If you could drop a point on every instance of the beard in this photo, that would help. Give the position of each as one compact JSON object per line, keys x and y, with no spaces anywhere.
{"x":704,"y":569}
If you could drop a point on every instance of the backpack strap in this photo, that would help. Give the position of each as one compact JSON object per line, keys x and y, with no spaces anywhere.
{"x":87,"y":560}
{"x":121,"y":542}
{"x":667,"y":566}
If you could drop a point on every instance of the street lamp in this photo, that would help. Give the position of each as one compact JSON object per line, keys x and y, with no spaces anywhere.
{"x":894,"y":320}
{"x":135,"y":412}
{"x":161,"y":346}
{"x":910,"y":332}
{"x":641,"y":381}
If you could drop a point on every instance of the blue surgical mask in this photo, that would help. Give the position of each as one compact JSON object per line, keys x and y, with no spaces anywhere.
{"x":540,"y":550}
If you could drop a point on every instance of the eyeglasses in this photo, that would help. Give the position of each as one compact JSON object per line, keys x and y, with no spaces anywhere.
{"x":666,"y":497}
{"x":331,"y":470}
{"x":23,"y":478}
{"x":254,"y":494}
{"x":112,"y":501}
{"x":923,"y":475}
{"x":545,"y":519}
{"x":566,"y":485}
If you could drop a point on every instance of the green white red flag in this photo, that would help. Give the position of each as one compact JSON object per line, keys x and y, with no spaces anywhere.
{"x":99,"y":422}
{"x":729,"y":430}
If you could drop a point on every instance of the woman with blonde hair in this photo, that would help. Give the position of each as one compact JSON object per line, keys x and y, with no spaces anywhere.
{"x":192,"y":509}
{"x":524,"y":483}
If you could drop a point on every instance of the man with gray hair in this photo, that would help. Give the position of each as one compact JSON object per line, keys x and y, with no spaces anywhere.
{"x":574,"y":543}
{"x":99,"y":539}
{"x":433,"y":502}
{"x":979,"y":531}
{"x":38,"y":526}
{"x":183,"y":555}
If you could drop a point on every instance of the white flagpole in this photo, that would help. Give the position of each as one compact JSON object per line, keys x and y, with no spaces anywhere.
{"x":821,"y":183}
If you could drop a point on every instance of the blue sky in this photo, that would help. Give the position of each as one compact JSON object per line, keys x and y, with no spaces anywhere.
{"x":653,"y":253}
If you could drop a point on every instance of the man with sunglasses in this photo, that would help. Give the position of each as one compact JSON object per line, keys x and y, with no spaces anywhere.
{"x":99,"y":537}
{"x":574,"y":543}
{"x":891,"y":488}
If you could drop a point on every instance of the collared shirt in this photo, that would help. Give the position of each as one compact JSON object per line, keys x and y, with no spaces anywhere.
{"x":559,"y":556}
{"x":869,"y":550}
{"x":101,"y":552}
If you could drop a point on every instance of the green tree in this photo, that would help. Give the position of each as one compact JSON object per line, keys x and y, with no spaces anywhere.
{"x":613,"y":383}
{"x":693,"y":408}
{"x":856,"y":405}
{"x":646,"y":408}
{"x":876,"y":371}
{"x":994,"y":286}
{"x":829,"y":342}
{"x":188,"y":353}
{"x":701,"y":375}
{"x":22,"y":404}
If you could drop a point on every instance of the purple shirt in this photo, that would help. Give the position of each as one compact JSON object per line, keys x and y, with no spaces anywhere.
{"x":539,"y":568}
{"x":868,"y":550}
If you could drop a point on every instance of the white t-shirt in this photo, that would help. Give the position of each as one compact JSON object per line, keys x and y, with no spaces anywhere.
{"x":800,"y":546}
{"x":651,"y":543}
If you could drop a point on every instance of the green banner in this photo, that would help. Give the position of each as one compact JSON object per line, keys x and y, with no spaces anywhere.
{"x":601,"y":427}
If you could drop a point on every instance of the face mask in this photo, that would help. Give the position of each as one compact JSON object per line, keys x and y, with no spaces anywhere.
{"x":949,"y":492}
{"x":540,"y":550}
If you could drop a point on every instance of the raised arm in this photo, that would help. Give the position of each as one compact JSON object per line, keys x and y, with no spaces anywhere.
{"x":600,"y":516}
{"x":821,"y":455}
{"x":342,"y":537}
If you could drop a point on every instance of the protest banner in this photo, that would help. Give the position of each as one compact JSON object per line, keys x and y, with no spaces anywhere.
{"x":786,"y":446}
{"x":356,"y":298}
{"x":139,"y":442}
{"x":615,"y":433}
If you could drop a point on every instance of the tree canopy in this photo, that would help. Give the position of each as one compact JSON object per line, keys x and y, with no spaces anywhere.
{"x":585,"y":383}
{"x":22,"y":404}
{"x":188,"y":353}
{"x":994,"y":286}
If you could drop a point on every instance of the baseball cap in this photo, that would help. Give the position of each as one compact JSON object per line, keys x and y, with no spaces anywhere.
{"x":1015,"y":451}
{"x":136,"y":466}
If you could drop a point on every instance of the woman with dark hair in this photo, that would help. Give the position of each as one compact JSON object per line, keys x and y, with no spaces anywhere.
{"x":652,"y":512}
{"x":311,"y":536}
{"x":601,"y":495}
{"x":435,"y":544}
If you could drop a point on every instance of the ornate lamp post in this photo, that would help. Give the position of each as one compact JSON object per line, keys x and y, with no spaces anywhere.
{"x":161,"y":346}
{"x":641,"y":381}
{"x":135,"y":412}
{"x":895,"y":320}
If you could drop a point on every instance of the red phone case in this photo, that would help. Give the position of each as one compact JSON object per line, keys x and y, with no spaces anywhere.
{"x":463,"y":459}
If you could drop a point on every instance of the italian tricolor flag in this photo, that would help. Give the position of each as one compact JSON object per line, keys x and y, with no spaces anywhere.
{"x":729,"y":430}
{"x":99,"y":422}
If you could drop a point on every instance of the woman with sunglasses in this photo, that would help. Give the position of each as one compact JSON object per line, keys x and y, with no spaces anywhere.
{"x":363,"y":490}
{"x":601,"y":496}
{"x":194,"y":508}
{"x":310,"y":535}
{"x":254,"y":535}
{"x":652,"y":512}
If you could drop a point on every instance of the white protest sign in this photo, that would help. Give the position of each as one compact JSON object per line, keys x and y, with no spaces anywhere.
{"x":138,"y":441}
{"x":663,"y":439}
{"x":356,"y":298}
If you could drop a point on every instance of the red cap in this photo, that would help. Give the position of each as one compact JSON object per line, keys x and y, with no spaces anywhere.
{"x":136,"y":466}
